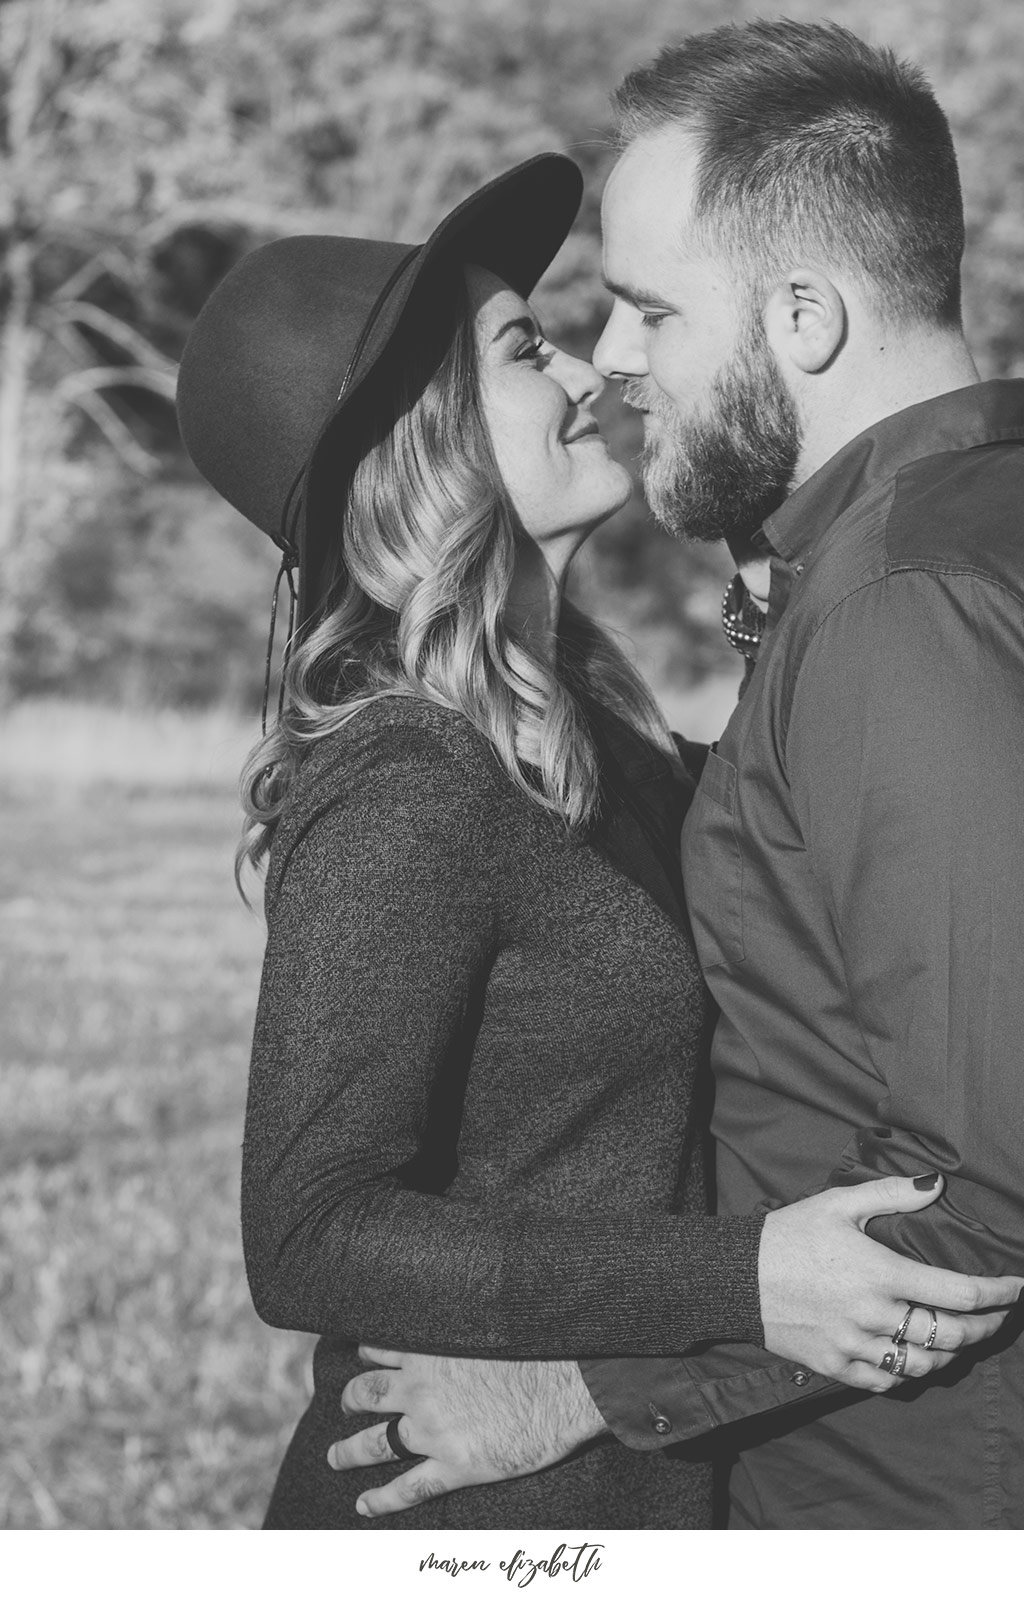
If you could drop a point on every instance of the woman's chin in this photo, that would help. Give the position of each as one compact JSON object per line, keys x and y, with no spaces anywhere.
{"x":620,"y":493}
{"x":610,"y":497}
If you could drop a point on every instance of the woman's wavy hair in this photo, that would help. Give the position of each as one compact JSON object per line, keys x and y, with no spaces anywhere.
{"x":417,"y":600}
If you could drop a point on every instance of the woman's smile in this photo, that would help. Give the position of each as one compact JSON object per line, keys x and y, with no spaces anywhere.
{"x":537,"y":403}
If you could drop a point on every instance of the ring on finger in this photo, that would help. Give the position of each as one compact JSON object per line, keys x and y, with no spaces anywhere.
{"x":933,"y":1330}
{"x":899,"y":1361}
{"x":899,"y":1337}
{"x":398,"y":1449}
{"x":888,"y":1361}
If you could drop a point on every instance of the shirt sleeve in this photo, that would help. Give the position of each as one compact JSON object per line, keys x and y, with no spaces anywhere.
{"x":649,"y":1404}
{"x":906,"y":756}
{"x":381,"y":935}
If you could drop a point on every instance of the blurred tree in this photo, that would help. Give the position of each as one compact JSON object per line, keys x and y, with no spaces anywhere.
{"x":145,"y":144}
{"x":54,"y":245}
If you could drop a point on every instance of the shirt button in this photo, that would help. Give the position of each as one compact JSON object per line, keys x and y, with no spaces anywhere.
{"x":800,"y":1378}
{"x":659,"y":1419}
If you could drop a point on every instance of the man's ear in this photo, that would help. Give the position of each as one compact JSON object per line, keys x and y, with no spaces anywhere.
{"x":805,"y":320}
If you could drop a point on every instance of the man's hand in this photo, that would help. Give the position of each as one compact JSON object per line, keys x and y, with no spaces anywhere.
{"x":472,"y":1422}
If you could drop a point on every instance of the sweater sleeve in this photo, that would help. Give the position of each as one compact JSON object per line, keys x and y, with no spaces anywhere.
{"x":381,"y":933}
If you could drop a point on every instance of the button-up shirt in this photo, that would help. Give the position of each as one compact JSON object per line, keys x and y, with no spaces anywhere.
{"x":854,"y":864}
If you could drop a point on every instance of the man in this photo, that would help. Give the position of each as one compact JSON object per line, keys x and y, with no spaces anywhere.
{"x":783,"y":233}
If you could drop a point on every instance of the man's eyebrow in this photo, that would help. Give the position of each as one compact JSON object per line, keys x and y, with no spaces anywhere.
{"x":635,"y":294}
{"x":518,"y":324}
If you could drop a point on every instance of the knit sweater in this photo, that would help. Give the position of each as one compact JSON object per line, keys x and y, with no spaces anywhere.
{"x":471,"y":1116}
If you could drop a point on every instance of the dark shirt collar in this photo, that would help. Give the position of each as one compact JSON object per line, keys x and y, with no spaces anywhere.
{"x":983,"y":413}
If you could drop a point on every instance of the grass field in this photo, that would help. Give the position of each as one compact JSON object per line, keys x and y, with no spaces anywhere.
{"x":137,"y":1387}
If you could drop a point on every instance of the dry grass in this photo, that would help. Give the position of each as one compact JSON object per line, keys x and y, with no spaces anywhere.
{"x":51,"y":741}
{"x":138,"y":1389}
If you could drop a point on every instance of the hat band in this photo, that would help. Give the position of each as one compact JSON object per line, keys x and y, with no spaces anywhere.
{"x":373,"y":318}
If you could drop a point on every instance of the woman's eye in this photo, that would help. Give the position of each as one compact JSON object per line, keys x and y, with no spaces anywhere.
{"x":653,"y":319}
{"x":536,"y":350}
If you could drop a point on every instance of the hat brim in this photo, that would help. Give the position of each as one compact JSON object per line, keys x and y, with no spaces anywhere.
{"x":515,"y":226}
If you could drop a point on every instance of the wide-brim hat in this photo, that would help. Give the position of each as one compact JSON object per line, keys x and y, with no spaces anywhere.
{"x":274,"y":367}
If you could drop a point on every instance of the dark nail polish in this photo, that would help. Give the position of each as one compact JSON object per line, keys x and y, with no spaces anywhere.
{"x":927,"y":1180}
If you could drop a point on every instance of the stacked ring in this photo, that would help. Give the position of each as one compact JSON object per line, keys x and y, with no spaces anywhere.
{"x":933,"y":1330}
{"x":894,"y":1360}
{"x":899,"y":1337}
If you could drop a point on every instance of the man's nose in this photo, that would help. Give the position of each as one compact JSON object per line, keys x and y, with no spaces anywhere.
{"x":621,"y":350}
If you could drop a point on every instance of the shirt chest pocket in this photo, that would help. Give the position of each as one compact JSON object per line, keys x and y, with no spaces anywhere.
{"x":713,"y":867}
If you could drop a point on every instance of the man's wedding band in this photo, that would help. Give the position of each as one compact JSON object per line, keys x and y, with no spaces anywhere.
{"x":398,"y":1449}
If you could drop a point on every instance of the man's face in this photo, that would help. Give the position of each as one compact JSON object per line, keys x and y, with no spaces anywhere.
{"x":721,"y":432}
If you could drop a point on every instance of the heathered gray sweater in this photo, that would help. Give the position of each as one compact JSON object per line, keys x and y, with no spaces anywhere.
{"x":470,"y":1124}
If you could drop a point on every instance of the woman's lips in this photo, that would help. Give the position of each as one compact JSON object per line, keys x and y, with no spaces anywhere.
{"x":591,"y":431}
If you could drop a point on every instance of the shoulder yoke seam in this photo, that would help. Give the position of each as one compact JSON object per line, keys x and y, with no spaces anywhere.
{"x":954,"y":570}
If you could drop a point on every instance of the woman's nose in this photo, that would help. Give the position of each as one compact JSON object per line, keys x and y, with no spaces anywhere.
{"x":581,"y":381}
{"x":620,"y":351}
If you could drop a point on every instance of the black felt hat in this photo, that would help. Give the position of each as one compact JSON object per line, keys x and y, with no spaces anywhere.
{"x":277,"y":358}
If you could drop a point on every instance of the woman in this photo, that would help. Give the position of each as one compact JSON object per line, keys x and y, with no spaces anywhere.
{"x":471,"y":1122}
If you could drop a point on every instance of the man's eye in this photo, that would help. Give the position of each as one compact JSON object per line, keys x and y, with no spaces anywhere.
{"x":653,"y":319}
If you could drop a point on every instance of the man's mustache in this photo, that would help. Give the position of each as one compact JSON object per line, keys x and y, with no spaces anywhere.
{"x":643,"y":395}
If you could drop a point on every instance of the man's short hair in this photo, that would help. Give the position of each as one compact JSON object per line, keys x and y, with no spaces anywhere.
{"x":815,"y":148}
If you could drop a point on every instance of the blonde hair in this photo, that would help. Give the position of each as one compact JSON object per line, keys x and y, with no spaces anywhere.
{"x":417,"y":603}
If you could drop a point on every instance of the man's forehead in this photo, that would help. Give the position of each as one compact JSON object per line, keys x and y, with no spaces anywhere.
{"x":647,"y":199}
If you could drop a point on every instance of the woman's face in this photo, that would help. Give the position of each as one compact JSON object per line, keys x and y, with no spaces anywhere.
{"x":537,"y":405}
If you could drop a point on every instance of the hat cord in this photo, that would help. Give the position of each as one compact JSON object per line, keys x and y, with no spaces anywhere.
{"x":283,"y":571}
{"x":289,"y":562}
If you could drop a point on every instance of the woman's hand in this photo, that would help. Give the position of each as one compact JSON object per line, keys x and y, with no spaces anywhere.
{"x":831,"y":1298}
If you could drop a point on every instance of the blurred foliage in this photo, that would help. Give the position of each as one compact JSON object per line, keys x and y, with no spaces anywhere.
{"x":146,"y":144}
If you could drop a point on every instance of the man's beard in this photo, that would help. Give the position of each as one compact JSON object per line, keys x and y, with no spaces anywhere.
{"x":721,"y":472}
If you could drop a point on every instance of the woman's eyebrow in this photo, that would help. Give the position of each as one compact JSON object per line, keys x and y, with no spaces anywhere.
{"x":523,"y":324}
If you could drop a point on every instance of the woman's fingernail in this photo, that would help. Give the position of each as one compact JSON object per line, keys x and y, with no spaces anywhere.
{"x":330,"y":1457}
{"x":361,"y":1508}
{"x":927,"y":1180}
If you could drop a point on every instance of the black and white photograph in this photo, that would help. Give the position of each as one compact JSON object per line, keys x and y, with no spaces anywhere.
{"x":511,"y":787}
